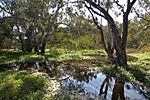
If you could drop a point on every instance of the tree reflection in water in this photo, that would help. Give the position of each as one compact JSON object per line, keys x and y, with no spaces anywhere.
{"x":106,"y":83}
{"x":118,"y":90}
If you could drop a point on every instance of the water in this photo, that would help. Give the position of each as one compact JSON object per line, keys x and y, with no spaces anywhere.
{"x":93,"y":86}
{"x":88,"y":81}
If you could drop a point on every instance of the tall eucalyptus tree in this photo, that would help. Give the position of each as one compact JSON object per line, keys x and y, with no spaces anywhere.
{"x":97,"y":7}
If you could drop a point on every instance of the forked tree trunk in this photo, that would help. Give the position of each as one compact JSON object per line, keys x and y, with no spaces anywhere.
{"x":110,"y":48}
{"x":121,"y":59}
{"x":119,"y":41}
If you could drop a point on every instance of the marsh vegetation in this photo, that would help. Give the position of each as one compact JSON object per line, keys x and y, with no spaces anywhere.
{"x":74,"y":49}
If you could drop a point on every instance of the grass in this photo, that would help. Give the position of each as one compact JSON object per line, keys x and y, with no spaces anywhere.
{"x":21,"y":86}
{"x":143,"y":60}
{"x":52,"y":54}
{"x":10,"y":57}
{"x":140,"y":68}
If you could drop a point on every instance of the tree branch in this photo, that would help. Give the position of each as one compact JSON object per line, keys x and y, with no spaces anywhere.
{"x":99,"y":27}
{"x":122,"y":8}
{"x":146,"y":27}
{"x":138,"y":15}
{"x":129,"y":6}
{"x":110,"y":20}
{"x":5,"y":10}
{"x":104,"y":12}
{"x":89,"y":8}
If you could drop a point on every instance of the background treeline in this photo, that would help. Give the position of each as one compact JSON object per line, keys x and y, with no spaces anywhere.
{"x":34,"y":25}
{"x":83,"y":35}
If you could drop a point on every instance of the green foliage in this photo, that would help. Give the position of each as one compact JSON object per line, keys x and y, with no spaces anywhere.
{"x":6,"y":33}
{"x":31,"y":22}
{"x":90,"y":41}
{"x":139,"y":32}
{"x":137,"y":71}
{"x":68,"y":41}
{"x":80,"y":33}
{"x":138,"y":74}
{"x":118,"y":73}
{"x":61,"y":40}
{"x":21,"y":86}
{"x":33,"y":19}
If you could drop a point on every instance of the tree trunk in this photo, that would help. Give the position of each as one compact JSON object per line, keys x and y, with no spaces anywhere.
{"x":119,"y":41}
{"x":120,"y":49}
{"x":28,"y":48}
{"x":36,"y":49}
{"x":28,"y":41}
{"x":22,"y":43}
{"x":110,"y":45}
{"x":43,"y":46}
{"x":121,"y":59}
{"x":22,"y":48}
{"x":110,"y":42}
{"x":28,"y":45}
{"x":110,"y":55}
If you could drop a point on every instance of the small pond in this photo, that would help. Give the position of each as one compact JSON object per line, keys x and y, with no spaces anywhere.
{"x":88,"y":81}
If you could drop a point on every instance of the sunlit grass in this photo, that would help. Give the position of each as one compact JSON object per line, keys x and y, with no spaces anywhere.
{"x":143,"y":58}
{"x":21,"y":86}
{"x":140,"y":55}
{"x":51,"y":54}
{"x":140,"y":68}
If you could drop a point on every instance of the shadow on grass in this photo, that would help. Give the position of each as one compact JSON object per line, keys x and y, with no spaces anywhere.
{"x":21,"y":86}
{"x":131,"y":58}
{"x":9,"y":57}
{"x":55,"y":54}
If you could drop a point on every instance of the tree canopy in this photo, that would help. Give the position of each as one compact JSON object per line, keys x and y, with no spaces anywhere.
{"x":31,"y":24}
